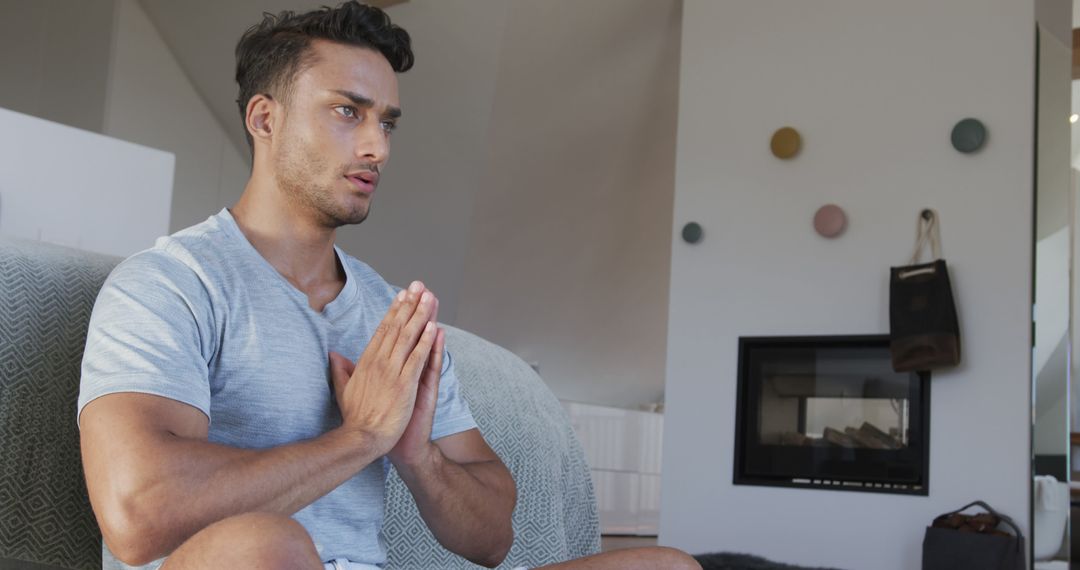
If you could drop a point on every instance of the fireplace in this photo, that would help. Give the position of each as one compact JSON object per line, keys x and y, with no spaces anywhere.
{"x":830,"y":413}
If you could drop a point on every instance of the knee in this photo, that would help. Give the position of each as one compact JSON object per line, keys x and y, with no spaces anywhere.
{"x":264,"y":540}
{"x":673,"y":559}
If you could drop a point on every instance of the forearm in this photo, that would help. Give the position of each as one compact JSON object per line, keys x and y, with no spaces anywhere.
{"x":190,"y":484}
{"x":468,"y":507}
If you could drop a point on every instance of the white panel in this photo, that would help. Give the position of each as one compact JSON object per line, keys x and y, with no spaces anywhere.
{"x":617,"y":498}
{"x":651,"y":438}
{"x":611,"y":437}
{"x":649,"y":505}
{"x":76,"y":188}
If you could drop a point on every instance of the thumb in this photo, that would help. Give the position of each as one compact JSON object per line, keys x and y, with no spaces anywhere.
{"x":341,"y":370}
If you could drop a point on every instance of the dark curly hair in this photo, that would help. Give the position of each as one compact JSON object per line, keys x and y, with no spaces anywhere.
{"x":271,"y":53}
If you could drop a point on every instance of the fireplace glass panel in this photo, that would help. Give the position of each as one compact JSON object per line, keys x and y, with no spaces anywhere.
{"x":829,"y":411}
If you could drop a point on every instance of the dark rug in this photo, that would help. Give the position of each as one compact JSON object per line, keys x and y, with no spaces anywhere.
{"x":730,"y":561}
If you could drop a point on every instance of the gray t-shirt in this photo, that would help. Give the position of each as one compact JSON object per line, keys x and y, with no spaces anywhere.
{"x":204,"y":319}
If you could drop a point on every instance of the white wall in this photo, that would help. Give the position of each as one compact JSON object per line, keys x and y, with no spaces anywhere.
{"x":150,"y":101}
{"x":875,"y":87}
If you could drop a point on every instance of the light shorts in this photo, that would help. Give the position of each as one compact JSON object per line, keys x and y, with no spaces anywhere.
{"x":342,"y":564}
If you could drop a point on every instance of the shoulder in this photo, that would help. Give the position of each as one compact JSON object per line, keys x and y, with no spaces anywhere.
{"x":185,"y":262}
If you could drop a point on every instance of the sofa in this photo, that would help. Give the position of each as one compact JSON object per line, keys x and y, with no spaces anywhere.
{"x":46,"y":522}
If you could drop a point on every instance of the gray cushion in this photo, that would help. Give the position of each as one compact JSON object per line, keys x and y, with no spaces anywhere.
{"x":556,"y":515}
{"x":46,"y":295}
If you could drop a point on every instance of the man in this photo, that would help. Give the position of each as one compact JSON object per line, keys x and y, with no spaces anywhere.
{"x":212,"y":436}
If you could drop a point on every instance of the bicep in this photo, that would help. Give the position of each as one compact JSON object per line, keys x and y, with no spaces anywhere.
{"x":123,"y":437}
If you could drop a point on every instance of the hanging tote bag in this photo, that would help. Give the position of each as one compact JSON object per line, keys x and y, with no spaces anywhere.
{"x":924,"y":331}
{"x":973,"y":542}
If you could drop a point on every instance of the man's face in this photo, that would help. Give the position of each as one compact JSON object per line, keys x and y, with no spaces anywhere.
{"x":334,"y":139}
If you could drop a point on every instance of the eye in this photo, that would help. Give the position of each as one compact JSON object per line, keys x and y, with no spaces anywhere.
{"x":389,"y":126}
{"x":346,"y":111}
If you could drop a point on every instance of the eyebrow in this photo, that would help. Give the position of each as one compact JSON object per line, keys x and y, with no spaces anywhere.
{"x":361,"y":101}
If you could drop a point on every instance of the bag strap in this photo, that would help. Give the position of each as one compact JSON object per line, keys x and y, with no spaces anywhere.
{"x":926,"y":231}
{"x":1004,"y":518}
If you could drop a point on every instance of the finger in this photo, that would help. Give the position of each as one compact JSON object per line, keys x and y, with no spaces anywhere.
{"x":340,"y":372}
{"x":410,"y":333}
{"x":435,"y":359}
{"x":419,"y":355}
{"x":400,"y":312}
{"x":379,"y":336}
{"x":435,"y":312}
{"x":433,"y":372}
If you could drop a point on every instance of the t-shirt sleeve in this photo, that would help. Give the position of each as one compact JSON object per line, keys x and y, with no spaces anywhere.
{"x":150,"y":332}
{"x":452,"y":413}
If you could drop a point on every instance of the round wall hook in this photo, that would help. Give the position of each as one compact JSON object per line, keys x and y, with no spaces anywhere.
{"x":830,"y":221}
{"x":786,"y":143}
{"x":969,"y":135}
{"x":692,"y":232}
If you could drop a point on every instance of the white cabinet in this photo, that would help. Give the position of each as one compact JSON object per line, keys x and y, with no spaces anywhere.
{"x":80,"y":189}
{"x":616,"y":499}
{"x":623,"y":448}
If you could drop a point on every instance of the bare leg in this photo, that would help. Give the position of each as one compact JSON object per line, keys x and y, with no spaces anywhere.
{"x":262,"y":541}
{"x":631,"y":559}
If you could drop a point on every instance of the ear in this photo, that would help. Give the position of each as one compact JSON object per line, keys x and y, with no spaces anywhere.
{"x":260,"y":117}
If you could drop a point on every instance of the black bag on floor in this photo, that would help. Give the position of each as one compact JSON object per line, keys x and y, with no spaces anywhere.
{"x":965,"y":542}
{"x":924,"y":330}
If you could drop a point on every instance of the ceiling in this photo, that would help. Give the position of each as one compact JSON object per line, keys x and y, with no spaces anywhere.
{"x":202,"y":34}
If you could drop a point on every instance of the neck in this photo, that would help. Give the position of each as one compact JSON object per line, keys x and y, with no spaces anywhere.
{"x":286,"y":234}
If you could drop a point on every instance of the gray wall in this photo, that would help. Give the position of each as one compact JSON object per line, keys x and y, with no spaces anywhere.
{"x":419,"y":225}
{"x":152,"y":102}
{"x":531,"y":183}
{"x":531,"y":180}
{"x":570,"y":235}
{"x":54,"y":57}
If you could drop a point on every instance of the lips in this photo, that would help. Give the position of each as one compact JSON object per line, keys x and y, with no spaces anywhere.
{"x":365,"y":181}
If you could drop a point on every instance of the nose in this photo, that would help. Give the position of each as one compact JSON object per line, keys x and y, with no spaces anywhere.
{"x":372,"y":144}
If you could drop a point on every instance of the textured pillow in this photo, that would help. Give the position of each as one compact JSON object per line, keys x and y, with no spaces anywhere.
{"x":556,"y":516}
{"x":46,"y":295}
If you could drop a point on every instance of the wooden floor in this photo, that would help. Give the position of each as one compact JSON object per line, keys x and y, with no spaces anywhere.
{"x":616,"y":542}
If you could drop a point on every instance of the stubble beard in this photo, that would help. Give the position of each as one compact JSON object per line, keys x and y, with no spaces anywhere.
{"x":301,"y":176}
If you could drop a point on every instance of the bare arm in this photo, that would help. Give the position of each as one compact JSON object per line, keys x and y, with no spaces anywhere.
{"x":466,"y":496}
{"x":154,"y":479}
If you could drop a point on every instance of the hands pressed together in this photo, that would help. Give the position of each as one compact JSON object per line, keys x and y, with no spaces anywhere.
{"x":391,"y":392}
